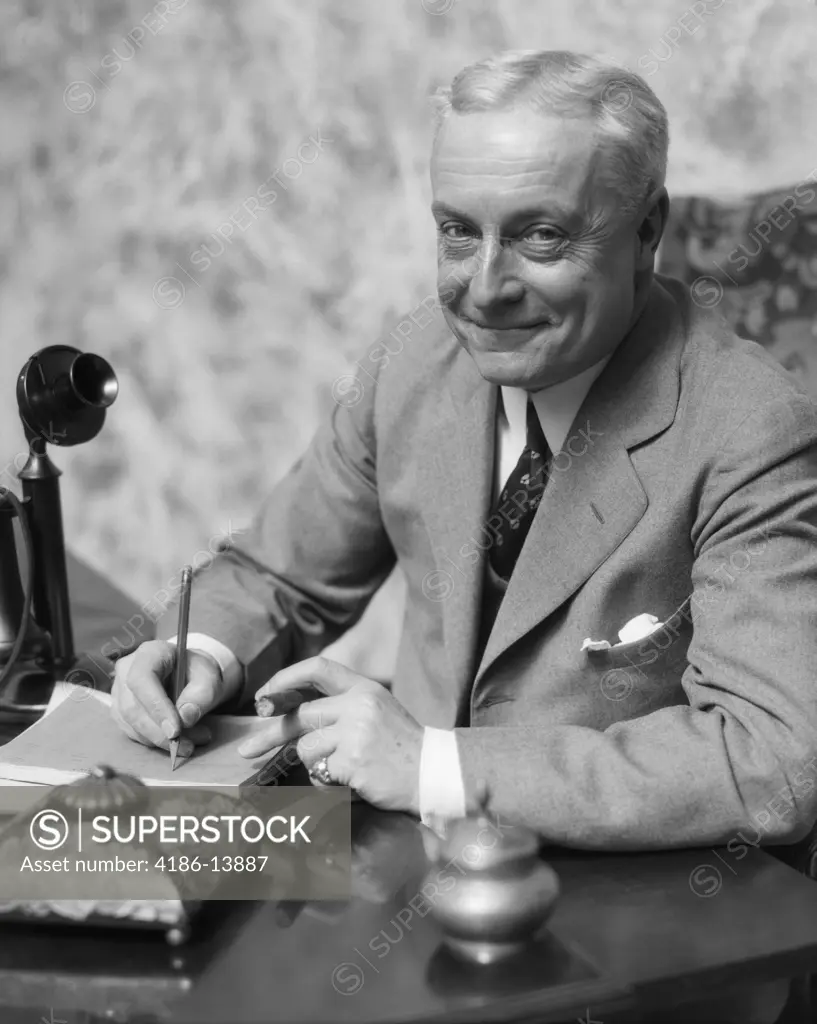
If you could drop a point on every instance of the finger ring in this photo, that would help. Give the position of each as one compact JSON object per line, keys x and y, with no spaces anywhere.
{"x":320,"y":772}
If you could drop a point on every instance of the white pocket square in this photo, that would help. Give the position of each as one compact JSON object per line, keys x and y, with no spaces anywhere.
{"x":638,"y":628}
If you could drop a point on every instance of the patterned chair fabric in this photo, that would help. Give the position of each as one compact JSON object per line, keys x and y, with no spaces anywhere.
{"x":756,"y":259}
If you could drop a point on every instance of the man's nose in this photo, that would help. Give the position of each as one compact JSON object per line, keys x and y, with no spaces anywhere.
{"x":494,"y":280}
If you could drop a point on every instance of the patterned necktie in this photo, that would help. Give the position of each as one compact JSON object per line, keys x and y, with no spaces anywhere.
{"x":513,"y":512}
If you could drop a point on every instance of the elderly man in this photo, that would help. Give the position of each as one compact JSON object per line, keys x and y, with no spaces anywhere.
{"x":564,"y":446}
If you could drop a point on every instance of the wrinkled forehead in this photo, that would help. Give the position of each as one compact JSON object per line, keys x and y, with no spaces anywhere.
{"x":490,"y":165}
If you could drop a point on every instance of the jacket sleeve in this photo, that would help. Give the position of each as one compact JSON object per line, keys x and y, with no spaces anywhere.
{"x":740,"y":759}
{"x":315,"y":554}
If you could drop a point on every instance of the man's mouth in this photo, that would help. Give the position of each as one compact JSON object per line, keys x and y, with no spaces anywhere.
{"x":500,"y":328}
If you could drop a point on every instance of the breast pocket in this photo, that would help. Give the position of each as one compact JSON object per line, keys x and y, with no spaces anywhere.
{"x":645,"y":673}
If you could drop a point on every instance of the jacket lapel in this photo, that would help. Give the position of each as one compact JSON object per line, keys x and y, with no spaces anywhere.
{"x":594,"y":498}
{"x":457,"y":477}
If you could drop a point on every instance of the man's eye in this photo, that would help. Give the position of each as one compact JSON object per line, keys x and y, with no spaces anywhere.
{"x":455,"y":232}
{"x":543,"y":236}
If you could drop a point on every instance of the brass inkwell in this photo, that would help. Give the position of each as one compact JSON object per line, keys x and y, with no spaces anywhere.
{"x":492,"y":891}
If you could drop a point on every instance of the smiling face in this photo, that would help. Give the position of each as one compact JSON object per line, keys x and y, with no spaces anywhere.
{"x":537,"y":268}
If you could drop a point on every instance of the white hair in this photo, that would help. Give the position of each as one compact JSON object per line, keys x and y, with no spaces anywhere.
{"x":625,"y":111}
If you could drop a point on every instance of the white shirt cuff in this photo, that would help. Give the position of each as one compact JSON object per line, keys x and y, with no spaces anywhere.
{"x":442,"y":792}
{"x":228,"y":663}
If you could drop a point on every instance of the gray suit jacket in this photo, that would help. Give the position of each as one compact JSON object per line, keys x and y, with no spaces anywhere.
{"x":687,"y":489}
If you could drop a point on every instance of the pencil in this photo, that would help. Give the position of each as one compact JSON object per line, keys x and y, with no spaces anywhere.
{"x":181,"y":650}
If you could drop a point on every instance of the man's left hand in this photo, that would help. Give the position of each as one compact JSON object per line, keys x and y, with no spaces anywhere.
{"x":369,"y":740}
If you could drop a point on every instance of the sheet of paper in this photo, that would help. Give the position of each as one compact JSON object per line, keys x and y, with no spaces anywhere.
{"x":77,"y":733}
{"x":62,"y":691}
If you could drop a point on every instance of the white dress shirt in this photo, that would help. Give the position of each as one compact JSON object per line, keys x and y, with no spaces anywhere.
{"x":442,"y":794}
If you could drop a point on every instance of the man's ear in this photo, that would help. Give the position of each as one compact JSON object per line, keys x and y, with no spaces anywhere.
{"x":652,"y":228}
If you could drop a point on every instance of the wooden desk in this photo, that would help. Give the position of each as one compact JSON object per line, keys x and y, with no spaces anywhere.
{"x":630,"y":934}
{"x":653,"y":942}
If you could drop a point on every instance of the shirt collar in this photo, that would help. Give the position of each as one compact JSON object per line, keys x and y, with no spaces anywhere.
{"x":556,"y":406}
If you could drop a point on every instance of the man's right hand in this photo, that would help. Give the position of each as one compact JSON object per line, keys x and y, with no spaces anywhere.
{"x":142,"y":707}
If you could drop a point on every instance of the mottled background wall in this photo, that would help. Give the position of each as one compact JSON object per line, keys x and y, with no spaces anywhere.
{"x":133,"y":132}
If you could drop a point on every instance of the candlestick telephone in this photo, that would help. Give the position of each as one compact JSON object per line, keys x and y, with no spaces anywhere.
{"x":62,"y":397}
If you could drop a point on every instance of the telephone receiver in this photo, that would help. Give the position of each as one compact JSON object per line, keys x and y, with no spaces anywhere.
{"x":62,"y":396}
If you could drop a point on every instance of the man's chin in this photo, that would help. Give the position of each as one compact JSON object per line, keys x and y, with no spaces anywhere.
{"x":507,"y":371}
